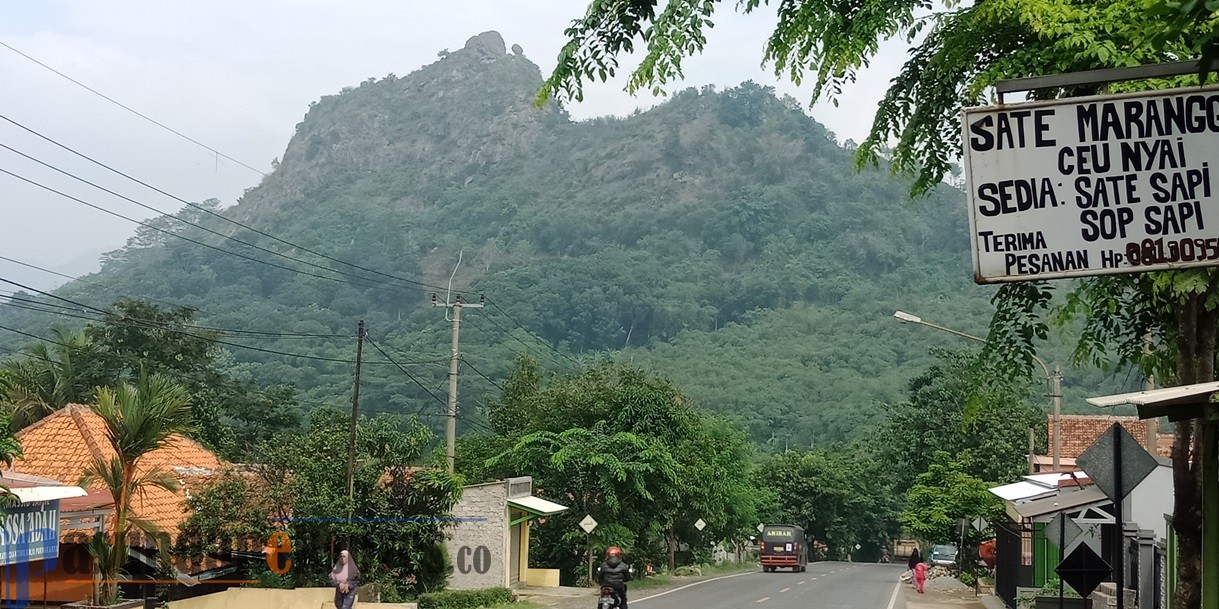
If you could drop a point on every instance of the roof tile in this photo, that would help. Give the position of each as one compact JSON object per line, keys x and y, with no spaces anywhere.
{"x":63,"y":444}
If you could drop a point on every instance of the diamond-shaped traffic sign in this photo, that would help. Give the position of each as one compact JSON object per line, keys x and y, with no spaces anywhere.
{"x":1083,"y":570}
{"x":761,"y":527}
{"x":588,"y":524}
{"x":1101,"y":466}
{"x":700,"y":524}
{"x":1062,"y":531}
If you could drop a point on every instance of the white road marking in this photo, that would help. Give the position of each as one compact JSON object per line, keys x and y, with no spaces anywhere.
{"x":784,"y":590}
{"x":893,"y":599}
{"x":800,"y":583}
{"x":640,"y":600}
{"x":763,"y":599}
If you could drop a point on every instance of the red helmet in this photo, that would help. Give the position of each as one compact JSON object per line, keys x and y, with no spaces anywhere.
{"x":614,"y":551}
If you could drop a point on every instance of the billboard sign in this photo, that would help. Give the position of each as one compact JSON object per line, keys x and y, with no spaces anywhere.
{"x":29,"y":532}
{"x":1093,"y":185}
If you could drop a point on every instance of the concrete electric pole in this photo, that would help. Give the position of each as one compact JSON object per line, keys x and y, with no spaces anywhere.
{"x":451,"y":430}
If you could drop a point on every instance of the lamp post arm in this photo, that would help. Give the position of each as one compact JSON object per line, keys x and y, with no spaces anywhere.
{"x":951,"y":331}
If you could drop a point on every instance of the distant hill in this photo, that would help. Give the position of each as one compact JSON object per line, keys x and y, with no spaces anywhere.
{"x":722,"y":238}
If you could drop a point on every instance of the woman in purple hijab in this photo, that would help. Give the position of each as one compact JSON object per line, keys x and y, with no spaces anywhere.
{"x":346,"y":579}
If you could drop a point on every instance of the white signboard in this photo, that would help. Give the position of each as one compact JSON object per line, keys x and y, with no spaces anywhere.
{"x":588,"y":524}
{"x":700,"y":524}
{"x":1093,"y":185}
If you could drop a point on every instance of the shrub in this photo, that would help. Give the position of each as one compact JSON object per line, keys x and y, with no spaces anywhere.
{"x":967,"y":579}
{"x":465,"y":599}
{"x":684,"y":571}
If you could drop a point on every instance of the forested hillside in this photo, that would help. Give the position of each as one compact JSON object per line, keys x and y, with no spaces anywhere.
{"x":721,"y":238}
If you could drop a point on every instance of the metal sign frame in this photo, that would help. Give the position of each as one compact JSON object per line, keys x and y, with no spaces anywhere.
{"x":1112,"y":235}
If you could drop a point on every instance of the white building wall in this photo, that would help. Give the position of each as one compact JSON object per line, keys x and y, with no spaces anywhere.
{"x":1150,"y":500}
{"x":478,"y":550}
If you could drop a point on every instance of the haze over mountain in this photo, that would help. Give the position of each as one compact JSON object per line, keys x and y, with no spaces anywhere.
{"x":721,"y":238}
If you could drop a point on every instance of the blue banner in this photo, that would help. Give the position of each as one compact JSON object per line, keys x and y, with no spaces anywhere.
{"x":29,"y":532}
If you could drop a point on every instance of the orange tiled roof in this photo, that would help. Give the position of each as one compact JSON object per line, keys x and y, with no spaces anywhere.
{"x":1079,"y":431}
{"x":63,"y":444}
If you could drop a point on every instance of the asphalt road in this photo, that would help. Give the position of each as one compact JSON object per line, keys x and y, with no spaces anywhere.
{"x":825,"y":585}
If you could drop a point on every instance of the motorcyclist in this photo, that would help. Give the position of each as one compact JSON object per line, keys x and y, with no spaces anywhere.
{"x":615,"y":573}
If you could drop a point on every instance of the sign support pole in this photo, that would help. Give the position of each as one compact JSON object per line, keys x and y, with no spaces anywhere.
{"x":1062,"y":551}
{"x":589,"y":538}
{"x":1119,"y":546}
{"x":1210,"y":514}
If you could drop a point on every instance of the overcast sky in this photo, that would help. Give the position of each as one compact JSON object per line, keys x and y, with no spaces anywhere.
{"x":237,"y":76}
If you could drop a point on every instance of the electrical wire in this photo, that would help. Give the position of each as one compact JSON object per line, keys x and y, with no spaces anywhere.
{"x":84,"y":281}
{"x":103,"y":96}
{"x":528,"y":347}
{"x":479,"y":373}
{"x":171,"y":233}
{"x":176,"y":219}
{"x":29,"y":302}
{"x":530,"y":333}
{"x":213,"y":213}
{"x":184,"y":333}
{"x":403,"y":370}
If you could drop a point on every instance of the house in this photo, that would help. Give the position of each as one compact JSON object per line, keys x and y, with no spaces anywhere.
{"x":62,"y":445}
{"x":489,"y":544}
{"x":32,"y":562}
{"x":1026,"y":558}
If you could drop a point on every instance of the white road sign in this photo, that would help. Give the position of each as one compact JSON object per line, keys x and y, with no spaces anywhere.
{"x":760,"y":527}
{"x":1093,"y":185}
{"x":700,"y":524}
{"x":588,"y":524}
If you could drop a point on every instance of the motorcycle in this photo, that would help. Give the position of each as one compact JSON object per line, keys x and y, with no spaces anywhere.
{"x":608,"y":599}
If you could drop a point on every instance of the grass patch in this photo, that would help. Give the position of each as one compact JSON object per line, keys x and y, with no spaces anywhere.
{"x":520,"y":605}
{"x":707,"y":571}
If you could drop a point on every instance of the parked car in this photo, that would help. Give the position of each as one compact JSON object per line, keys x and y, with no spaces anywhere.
{"x":943,"y":555}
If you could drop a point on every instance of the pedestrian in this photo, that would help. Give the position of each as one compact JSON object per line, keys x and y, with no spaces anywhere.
{"x":920,"y":575}
{"x":915,"y":558}
{"x":346,"y":580}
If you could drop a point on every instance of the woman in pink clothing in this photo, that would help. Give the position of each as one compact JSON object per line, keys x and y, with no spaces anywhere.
{"x":920,"y":575}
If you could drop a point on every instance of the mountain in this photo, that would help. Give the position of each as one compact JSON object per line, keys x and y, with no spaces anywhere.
{"x":721,"y":237}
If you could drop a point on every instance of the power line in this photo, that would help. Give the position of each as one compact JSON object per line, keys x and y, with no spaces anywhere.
{"x":84,"y":281}
{"x":530,"y":333}
{"x":479,"y":373}
{"x":208,"y":211}
{"x":188,"y":223}
{"x":173,"y":234}
{"x":408,"y":375}
{"x":184,"y":333}
{"x":103,"y":96}
{"x":259,"y":333}
{"x":528,"y":347}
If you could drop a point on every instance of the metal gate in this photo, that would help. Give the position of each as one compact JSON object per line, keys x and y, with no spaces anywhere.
{"x":514,"y":555}
{"x":1007,"y":561}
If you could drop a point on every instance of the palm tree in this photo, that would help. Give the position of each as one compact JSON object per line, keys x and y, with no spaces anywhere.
{"x":138,"y":420}
{"x":48,"y":378}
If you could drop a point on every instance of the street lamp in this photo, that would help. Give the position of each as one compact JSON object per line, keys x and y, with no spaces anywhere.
{"x":1055,"y":380}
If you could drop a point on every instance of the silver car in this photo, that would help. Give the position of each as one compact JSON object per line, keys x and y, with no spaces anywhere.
{"x":943,"y":556}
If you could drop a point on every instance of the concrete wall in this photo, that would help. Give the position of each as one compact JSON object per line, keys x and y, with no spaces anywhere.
{"x":467,"y":539}
{"x":262,"y":598}
{"x":1150,"y":500}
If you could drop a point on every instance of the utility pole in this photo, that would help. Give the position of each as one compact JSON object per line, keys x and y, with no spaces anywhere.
{"x":355,"y":413}
{"x":1149,"y":383}
{"x":1057,"y":417}
{"x":451,"y":430}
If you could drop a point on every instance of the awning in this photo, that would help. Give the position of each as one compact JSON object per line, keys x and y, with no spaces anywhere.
{"x":536,"y":505}
{"x":1060,"y":503}
{"x":1176,"y":403}
{"x":30,"y":494}
{"x":1023,"y":491}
